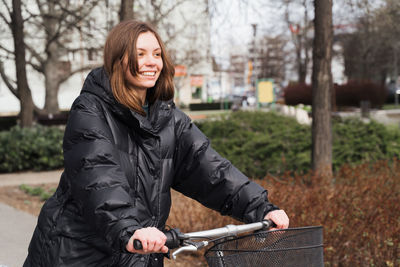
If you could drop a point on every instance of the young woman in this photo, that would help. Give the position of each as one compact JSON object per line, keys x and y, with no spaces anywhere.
{"x":125,"y":146}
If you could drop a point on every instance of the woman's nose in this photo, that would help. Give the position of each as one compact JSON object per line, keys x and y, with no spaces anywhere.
{"x":150,"y":60}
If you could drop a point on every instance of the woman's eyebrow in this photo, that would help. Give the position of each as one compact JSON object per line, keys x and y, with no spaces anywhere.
{"x":143,"y":49}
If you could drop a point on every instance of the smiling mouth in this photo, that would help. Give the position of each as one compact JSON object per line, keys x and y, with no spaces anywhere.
{"x":148,"y":73}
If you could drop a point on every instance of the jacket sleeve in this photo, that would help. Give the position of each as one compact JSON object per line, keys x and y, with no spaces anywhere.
{"x":97,"y":182}
{"x":202,"y":174}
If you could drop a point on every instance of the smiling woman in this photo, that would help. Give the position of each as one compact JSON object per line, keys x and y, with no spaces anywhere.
{"x":125,"y":146}
{"x":137,"y":63}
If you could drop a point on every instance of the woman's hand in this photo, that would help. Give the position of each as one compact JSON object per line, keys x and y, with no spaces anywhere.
{"x":152,"y":239}
{"x":279,"y":217}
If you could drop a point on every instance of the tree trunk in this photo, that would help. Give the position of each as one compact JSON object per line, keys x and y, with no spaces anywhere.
{"x":24,"y":93}
{"x":302,"y":72}
{"x":322,"y":89}
{"x":53,"y":66}
{"x":126,"y":10}
{"x":52,"y":71}
{"x":302,"y":62}
{"x":52,"y":86}
{"x":301,"y":75}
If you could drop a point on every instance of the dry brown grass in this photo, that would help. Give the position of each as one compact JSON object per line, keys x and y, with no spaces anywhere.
{"x":359,"y":211}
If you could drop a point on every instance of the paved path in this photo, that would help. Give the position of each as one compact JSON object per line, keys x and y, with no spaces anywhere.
{"x":10,"y":179}
{"x":16,"y":227}
{"x":16,"y":232}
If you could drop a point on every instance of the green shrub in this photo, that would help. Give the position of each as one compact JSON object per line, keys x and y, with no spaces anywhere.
{"x":261,"y":142}
{"x":257,"y":143}
{"x":36,"y":148}
{"x":356,"y":142}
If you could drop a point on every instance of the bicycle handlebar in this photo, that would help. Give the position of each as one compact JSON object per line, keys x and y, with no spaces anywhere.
{"x":175,"y":238}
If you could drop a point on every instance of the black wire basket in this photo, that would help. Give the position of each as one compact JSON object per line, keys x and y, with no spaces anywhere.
{"x":289,"y":247}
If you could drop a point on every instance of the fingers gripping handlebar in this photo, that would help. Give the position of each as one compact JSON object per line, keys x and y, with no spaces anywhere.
{"x":176,"y":239}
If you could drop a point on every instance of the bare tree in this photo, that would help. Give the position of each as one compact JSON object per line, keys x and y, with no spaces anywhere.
{"x":54,"y":27}
{"x":322,"y":89}
{"x":272,"y":58}
{"x":58,"y":21}
{"x":300,"y":26}
{"x":21,"y":90}
{"x":371,"y":50}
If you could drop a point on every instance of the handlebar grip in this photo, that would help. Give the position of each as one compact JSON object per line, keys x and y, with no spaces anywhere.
{"x":137,"y":244}
{"x":173,"y":240}
{"x":269,"y":224}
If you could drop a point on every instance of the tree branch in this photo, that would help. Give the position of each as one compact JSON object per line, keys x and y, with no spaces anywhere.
{"x":63,"y":29}
{"x":4,"y":17}
{"x":7,"y":80}
{"x":84,"y":68}
{"x":38,"y":68}
{"x":168,"y":11}
{"x":40,"y":7}
{"x":31,"y":15}
{"x":37,"y":56}
{"x":7,"y":7}
{"x":6,"y":50}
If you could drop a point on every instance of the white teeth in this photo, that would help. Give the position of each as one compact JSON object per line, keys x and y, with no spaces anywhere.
{"x":148,"y":73}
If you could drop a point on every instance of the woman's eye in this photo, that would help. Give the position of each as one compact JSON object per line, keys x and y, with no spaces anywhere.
{"x":157,"y":54}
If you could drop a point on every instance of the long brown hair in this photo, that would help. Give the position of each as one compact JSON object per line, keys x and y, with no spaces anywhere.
{"x":121,"y":41}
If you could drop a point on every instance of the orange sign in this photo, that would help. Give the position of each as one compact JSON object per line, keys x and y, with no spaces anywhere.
{"x":196,"y":80}
{"x":180,"y":70}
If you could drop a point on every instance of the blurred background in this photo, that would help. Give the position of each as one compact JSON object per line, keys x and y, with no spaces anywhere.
{"x":224,"y":51}
{"x":244,"y":72}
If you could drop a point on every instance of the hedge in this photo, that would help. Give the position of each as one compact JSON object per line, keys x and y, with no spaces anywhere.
{"x":37,"y":148}
{"x":257,"y":143}
{"x":261,"y":143}
{"x":350,"y":94}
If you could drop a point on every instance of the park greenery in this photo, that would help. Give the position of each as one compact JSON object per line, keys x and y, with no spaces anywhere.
{"x":37,"y":148}
{"x":261,"y":143}
{"x":364,"y":191}
{"x":258,"y":143}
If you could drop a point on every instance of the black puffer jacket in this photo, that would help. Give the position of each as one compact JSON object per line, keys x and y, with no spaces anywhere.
{"x":119,"y":168}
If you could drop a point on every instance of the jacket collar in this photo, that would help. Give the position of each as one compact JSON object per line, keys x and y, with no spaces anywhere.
{"x":160,"y":113}
{"x":98,"y":83}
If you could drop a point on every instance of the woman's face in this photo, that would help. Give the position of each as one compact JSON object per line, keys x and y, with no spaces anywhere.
{"x":149,"y":62}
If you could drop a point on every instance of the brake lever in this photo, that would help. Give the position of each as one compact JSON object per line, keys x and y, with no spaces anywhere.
{"x":192,"y":246}
{"x":182,"y":249}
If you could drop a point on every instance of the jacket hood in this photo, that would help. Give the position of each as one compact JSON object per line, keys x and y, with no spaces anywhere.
{"x":98,"y":83}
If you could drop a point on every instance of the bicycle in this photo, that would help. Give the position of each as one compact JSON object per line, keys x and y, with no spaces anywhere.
{"x":298,"y":247}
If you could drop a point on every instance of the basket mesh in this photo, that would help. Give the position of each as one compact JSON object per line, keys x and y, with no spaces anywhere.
{"x":290,"y":247}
